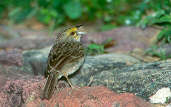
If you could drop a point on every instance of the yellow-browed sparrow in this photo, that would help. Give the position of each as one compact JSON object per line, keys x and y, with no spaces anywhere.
{"x":65,"y":58}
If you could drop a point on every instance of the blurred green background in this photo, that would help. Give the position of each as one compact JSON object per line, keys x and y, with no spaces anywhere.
{"x":109,"y":12}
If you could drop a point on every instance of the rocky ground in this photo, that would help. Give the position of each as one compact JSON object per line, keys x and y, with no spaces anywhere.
{"x":123,"y":77}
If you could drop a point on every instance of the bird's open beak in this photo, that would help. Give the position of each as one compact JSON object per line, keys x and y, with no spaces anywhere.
{"x":81,"y":33}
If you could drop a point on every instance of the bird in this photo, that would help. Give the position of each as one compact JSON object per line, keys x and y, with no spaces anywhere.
{"x":66,"y":56}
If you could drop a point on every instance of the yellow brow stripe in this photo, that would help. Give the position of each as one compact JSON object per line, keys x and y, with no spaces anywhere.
{"x":74,"y":29}
{"x":71,"y":30}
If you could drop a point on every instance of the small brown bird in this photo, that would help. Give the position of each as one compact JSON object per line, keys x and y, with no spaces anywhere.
{"x":65,"y":58}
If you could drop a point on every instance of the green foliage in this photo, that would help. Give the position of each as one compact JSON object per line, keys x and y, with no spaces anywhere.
{"x":94,"y":49}
{"x":60,"y":11}
{"x":165,"y":35}
{"x":107,"y":27}
{"x":156,"y":51}
{"x":18,"y":15}
{"x":168,"y":100}
{"x":160,"y":16}
{"x":120,"y":12}
{"x":73,"y":10}
{"x":162,"y":19}
{"x":45,"y":16}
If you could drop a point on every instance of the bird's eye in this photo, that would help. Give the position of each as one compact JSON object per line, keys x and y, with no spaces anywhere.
{"x":72,"y":33}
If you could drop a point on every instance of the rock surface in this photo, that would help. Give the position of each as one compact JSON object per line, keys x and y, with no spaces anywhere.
{"x":25,"y":43}
{"x":143,"y":79}
{"x":90,"y":97}
{"x":11,"y":57}
{"x":16,"y":92}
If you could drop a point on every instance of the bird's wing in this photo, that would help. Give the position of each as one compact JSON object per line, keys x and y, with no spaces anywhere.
{"x":63,"y":53}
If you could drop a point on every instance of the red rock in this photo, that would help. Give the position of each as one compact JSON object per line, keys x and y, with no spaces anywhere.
{"x":2,"y":80}
{"x":11,"y":57}
{"x":27,"y":92}
{"x":16,"y":92}
{"x":98,"y":96}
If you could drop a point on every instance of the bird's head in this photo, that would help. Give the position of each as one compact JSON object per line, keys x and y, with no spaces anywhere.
{"x":74,"y":33}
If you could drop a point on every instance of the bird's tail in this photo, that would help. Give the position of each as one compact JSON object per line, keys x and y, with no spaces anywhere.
{"x":50,"y":85}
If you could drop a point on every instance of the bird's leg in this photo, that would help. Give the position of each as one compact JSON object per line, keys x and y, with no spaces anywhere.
{"x":66,"y":76}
